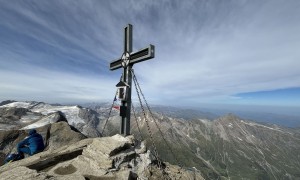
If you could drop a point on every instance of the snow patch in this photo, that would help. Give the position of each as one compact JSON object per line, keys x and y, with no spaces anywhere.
{"x":239,"y":139}
{"x":71,"y":112}
{"x":255,"y":124}
{"x":44,"y":121}
{"x":18,"y":105}
{"x":29,"y":118}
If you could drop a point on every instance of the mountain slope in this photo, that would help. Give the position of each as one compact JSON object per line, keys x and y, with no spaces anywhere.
{"x":31,"y":114}
{"x":226,"y":147}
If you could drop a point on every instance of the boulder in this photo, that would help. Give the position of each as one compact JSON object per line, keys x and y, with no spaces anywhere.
{"x":55,"y":136}
{"x":60,"y":134}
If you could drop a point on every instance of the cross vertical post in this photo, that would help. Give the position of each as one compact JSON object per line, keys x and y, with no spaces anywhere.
{"x":127,"y":60}
{"x":127,"y":78}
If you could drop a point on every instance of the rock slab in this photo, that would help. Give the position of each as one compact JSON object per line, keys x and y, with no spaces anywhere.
{"x":115,"y":157}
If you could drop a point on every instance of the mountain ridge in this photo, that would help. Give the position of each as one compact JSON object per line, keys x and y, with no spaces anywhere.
{"x":228,"y":147}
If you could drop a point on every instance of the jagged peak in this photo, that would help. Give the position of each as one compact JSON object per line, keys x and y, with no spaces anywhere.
{"x":230,"y":117}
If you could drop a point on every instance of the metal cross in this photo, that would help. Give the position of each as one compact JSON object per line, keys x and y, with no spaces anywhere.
{"x":126,"y":62}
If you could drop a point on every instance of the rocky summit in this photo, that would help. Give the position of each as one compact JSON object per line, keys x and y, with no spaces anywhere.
{"x":69,"y":155}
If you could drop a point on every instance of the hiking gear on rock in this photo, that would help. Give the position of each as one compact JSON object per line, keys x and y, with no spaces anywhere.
{"x":32,"y":144}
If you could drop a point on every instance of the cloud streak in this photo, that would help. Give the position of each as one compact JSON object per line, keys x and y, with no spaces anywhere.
{"x":206,"y":51}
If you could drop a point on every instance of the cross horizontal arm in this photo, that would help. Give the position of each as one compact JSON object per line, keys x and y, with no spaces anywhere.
{"x":116,"y":64}
{"x":142,"y":55}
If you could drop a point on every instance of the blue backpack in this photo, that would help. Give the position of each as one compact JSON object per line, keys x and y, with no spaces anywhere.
{"x":11,"y":157}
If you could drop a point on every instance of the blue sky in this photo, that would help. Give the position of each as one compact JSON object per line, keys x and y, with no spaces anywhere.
{"x":207,"y":51}
{"x":283,"y":97}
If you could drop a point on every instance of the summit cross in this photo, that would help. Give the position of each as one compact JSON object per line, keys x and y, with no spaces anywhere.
{"x":127,"y":60}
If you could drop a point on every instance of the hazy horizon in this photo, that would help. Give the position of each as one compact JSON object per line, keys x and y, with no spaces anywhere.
{"x":226,"y":108}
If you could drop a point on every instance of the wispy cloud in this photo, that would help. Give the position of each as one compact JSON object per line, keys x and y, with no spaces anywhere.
{"x":43,"y":85}
{"x":206,"y":51}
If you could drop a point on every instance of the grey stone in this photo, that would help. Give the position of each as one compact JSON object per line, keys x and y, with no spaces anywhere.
{"x":92,"y":158}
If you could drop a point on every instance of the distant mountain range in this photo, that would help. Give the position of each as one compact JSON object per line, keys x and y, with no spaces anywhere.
{"x":28,"y":115}
{"x":283,"y":119}
{"x":227,"y":147}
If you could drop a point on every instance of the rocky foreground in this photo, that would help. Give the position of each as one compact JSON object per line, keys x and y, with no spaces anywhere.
{"x":69,"y":155}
